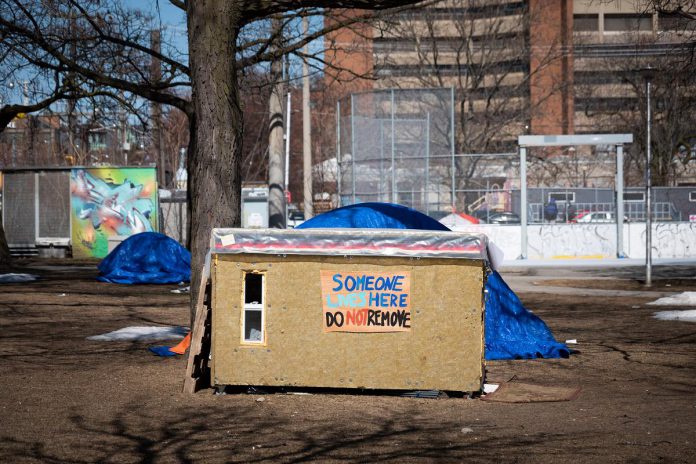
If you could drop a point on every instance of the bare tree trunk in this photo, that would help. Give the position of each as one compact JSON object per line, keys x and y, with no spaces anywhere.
{"x":216,"y":130}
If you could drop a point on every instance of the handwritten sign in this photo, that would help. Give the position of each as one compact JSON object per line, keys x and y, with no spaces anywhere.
{"x":366,"y":301}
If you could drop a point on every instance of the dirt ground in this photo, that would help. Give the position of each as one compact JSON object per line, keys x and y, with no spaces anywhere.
{"x":67,"y":399}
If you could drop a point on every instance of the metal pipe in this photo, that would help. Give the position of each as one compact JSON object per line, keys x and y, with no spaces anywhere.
{"x":427,"y":164}
{"x":287,"y":142}
{"x":648,"y":188}
{"x":453,"y":126}
{"x":381,"y":195}
{"x":393,"y":162}
{"x":352,"y":144}
{"x":523,"y":201}
{"x":619,"y":202}
{"x":307,"y":176}
{"x":339,"y":165}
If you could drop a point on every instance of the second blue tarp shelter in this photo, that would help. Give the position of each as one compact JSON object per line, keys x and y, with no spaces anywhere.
{"x":146,"y":258}
{"x":511,"y":330}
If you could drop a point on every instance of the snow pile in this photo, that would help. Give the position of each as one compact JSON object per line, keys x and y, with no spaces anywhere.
{"x":15,"y":278}
{"x":139,"y":333}
{"x":681,"y":299}
{"x":688,"y":316}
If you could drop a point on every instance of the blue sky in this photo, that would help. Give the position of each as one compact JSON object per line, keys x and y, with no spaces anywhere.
{"x":170,"y":18}
{"x":173,"y":23}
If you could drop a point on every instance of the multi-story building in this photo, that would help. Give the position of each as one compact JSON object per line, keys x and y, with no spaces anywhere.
{"x":539,"y":67}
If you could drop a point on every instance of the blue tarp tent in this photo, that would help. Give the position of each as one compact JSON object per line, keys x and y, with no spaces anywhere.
{"x":512,"y":331}
{"x":373,"y":216}
{"x":146,"y":258}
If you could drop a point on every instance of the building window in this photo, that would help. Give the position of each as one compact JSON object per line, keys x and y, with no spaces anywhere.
{"x":586,"y":22}
{"x":634,"y":196}
{"x":692,"y":196}
{"x":562,"y":197}
{"x":253,"y":314}
{"x":673,"y":22}
{"x":627,"y":22}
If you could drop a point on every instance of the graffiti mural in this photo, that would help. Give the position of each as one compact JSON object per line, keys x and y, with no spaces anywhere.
{"x":110,"y":202}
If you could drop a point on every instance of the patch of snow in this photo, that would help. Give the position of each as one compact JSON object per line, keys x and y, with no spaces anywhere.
{"x":490,"y":387}
{"x":688,"y":315}
{"x":15,"y":278}
{"x":140,"y":333}
{"x":681,"y":299}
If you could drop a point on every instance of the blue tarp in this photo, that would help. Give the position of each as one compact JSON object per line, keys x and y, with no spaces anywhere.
{"x":511,"y":330}
{"x":373,"y":216}
{"x":147,"y":258}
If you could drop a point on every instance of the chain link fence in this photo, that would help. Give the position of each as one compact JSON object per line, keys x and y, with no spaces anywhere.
{"x":397,"y":146}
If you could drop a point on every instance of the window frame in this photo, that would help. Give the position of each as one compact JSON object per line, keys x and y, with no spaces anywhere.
{"x":255,"y":307}
{"x":565,"y":200}
{"x":634,"y":200}
{"x":582,"y":21}
{"x":617,"y":23}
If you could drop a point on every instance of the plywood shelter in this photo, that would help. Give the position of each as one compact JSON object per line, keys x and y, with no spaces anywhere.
{"x":348,"y":308}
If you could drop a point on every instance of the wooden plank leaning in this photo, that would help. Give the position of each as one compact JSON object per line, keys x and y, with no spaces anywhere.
{"x":199,"y":350}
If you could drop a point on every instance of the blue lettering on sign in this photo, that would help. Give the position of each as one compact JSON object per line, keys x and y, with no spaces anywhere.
{"x":368,"y":283}
{"x":337,"y":278}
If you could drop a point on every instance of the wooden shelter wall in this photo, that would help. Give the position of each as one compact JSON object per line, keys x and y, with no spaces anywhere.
{"x":443,"y":350}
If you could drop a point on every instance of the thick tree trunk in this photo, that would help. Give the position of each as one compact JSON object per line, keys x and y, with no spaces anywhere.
{"x":214,"y":167}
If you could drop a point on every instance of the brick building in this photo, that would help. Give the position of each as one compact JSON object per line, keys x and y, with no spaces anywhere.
{"x":534,"y":66}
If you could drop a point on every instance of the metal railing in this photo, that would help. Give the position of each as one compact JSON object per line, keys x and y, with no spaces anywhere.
{"x":633,"y":211}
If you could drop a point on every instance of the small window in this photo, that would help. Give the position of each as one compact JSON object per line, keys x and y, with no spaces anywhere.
{"x":562,"y":197}
{"x":634,"y":196}
{"x":692,"y":196}
{"x":586,"y":22}
{"x":627,"y":22}
{"x":253,"y":317}
{"x":673,"y":22}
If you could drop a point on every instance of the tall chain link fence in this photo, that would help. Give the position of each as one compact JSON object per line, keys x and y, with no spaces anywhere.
{"x":397,"y":146}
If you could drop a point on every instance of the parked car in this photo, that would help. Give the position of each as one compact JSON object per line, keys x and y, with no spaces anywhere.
{"x":599,"y":216}
{"x":295,"y":218}
{"x":505,"y":217}
{"x":579,"y":214}
{"x":483,"y":215}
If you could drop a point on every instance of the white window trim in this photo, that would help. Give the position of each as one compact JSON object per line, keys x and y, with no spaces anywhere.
{"x":692,"y":196}
{"x":570,"y":195}
{"x":259,"y":307}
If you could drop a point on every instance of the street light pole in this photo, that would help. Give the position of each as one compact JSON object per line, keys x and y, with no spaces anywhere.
{"x":648,"y":75}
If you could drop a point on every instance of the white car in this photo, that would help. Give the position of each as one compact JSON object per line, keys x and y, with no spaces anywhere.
{"x":295,"y":218}
{"x":599,"y":216}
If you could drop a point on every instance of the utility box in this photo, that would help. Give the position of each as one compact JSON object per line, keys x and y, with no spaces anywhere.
{"x":255,"y":206}
{"x":348,"y":308}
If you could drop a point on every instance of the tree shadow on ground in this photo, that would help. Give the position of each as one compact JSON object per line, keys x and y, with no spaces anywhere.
{"x":235,"y":433}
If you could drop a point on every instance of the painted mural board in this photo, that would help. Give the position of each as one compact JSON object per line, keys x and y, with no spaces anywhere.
{"x":110,"y":202}
{"x":366,"y":301}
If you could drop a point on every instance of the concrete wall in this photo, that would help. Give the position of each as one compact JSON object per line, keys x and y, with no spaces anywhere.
{"x":561,"y":241}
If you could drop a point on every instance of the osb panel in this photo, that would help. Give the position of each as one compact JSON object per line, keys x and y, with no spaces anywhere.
{"x":443,"y":350}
